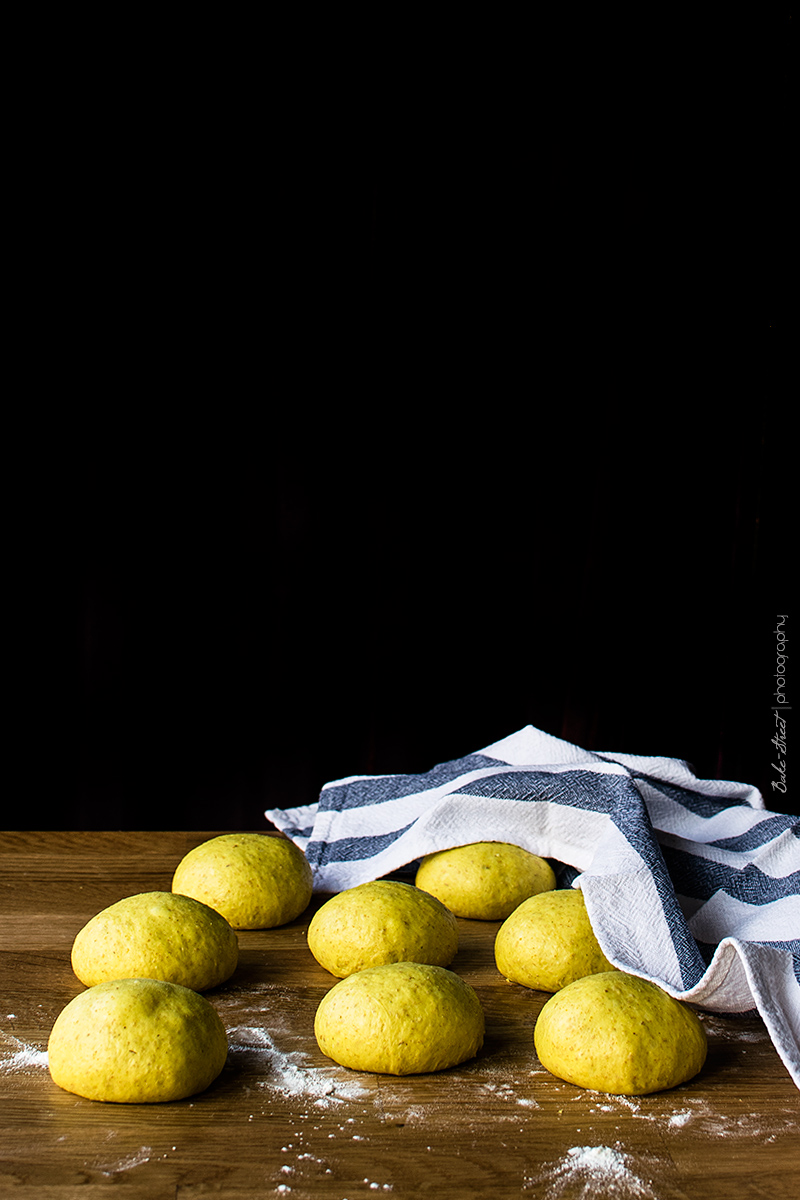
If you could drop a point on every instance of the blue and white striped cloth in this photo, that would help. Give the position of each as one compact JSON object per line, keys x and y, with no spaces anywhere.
{"x":688,"y":882}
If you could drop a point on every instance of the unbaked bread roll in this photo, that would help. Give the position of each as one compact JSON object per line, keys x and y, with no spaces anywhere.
{"x":381,"y":922}
{"x":135,"y":1041}
{"x":548,"y":942}
{"x":255,"y":880}
{"x":484,"y":880}
{"x":400,"y":1019}
{"x":157,"y":935}
{"x":614,"y":1032}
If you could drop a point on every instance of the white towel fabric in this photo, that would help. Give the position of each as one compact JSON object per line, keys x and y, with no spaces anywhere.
{"x":688,"y":882}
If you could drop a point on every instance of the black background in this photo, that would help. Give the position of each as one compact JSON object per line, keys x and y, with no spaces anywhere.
{"x":370,"y":422}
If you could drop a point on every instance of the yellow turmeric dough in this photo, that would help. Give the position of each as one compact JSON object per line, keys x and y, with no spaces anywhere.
{"x":157,"y":935}
{"x":400,"y":1019}
{"x":137,"y":1041}
{"x":548,"y":942}
{"x":381,"y":922}
{"x":255,"y":880}
{"x":484,"y":880}
{"x":614,"y":1032}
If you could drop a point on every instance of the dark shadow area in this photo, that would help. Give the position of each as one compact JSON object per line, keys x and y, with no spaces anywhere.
{"x":430,"y":428}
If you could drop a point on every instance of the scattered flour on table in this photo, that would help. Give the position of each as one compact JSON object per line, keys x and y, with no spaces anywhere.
{"x":747,"y":1028}
{"x":126,"y":1164}
{"x":588,"y":1172}
{"x":702,"y":1114}
{"x":505,"y":1082}
{"x":286,"y":1072}
{"x":505,"y":1091}
{"x":18,"y":1056}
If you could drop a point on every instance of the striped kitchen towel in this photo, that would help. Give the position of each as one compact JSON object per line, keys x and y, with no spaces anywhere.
{"x":688,"y":882}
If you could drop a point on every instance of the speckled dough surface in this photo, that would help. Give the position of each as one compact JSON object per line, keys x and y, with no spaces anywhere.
{"x":254,"y":880}
{"x":400,"y":1019}
{"x":485,"y":881}
{"x":548,"y":942}
{"x":382,"y":922}
{"x":157,"y":935}
{"x":137,"y":1041}
{"x":614,"y":1032}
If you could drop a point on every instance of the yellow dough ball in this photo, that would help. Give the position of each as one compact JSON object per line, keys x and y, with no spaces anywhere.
{"x":157,"y":935}
{"x":617,"y":1033}
{"x":136,"y":1041}
{"x":548,"y":942}
{"x":256,"y":881}
{"x":381,"y":922}
{"x":484,"y":880}
{"x":400,"y":1019}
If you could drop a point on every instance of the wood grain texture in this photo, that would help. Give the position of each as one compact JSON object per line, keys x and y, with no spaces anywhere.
{"x":282,"y":1120}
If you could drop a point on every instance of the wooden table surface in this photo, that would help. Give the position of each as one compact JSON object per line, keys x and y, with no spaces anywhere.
{"x":283,"y":1121}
